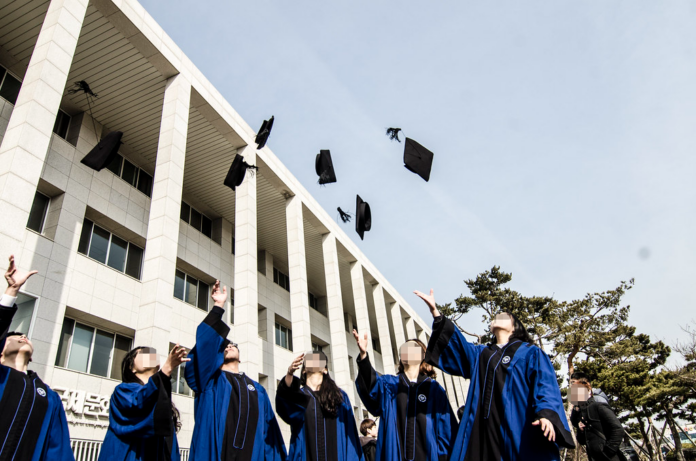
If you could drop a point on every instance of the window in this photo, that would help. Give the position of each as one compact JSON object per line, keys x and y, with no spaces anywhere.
{"x":375,"y":345}
{"x":191,"y":290}
{"x":37,"y":215}
{"x":21,"y":322}
{"x":62,"y":124}
{"x":316,"y":347}
{"x":101,"y":245}
{"x":91,"y":350}
{"x":281,"y":279}
{"x":130,"y":173}
{"x":9,"y":86}
{"x":313,"y":302}
{"x":179,"y":384}
{"x":283,"y":336}
{"x":198,"y":221}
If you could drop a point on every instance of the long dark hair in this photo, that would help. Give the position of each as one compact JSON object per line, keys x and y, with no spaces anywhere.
{"x":425,"y":368}
{"x":519,"y":331}
{"x":330,"y":395}
{"x":127,"y":376}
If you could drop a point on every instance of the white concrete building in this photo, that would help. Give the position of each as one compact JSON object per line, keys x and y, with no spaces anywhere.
{"x":127,"y":255}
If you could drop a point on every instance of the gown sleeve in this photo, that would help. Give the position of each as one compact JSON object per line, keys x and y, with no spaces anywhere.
{"x":446,"y":425}
{"x":355,"y":452}
{"x":142,"y":411}
{"x":57,"y":446}
{"x":274,"y":446}
{"x":547,"y":396}
{"x":371,"y":387}
{"x":612,"y":428}
{"x":450,"y":351}
{"x":291,"y":402}
{"x":208,"y":354}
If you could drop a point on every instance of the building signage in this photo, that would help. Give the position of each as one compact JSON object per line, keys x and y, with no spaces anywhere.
{"x":82,"y":407}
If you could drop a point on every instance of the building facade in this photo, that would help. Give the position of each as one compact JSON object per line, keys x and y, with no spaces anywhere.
{"x":126,"y":256}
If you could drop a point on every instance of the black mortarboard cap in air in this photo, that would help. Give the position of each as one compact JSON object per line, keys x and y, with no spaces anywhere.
{"x":104,"y":152}
{"x":324,"y":167}
{"x":418,"y":159}
{"x":363,"y":217}
{"x":264,"y":132}
{"x":237,"y":170}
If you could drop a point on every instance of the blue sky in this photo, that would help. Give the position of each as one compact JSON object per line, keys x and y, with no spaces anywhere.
{"x":563,"y":132}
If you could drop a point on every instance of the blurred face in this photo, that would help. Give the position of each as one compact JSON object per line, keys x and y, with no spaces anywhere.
{"x":411,"y":353}
{"x":372,"y":432}
{"x":18,"y":343}
{"x":145,"y":360}
{"x":578,"y":392}
{"x":314,"y":363}
{"x":503,"y":322}
{"x":232,"y":353}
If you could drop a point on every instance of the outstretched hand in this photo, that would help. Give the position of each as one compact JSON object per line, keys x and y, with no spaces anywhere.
{"x":294,"y":366}
{"x":547,"y":427}
{"x":362,"y":343}
{"x":16,"y":278}
{"x":219,"y":296}
{"x":176,"y":357}
{"x":430,"y":301}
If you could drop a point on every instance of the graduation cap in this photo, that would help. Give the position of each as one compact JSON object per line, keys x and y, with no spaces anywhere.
{"x":345,"y":217}
{"x":363,"y":217}
{"x":324,"y":167}
{"x":104,"y":152}
{"x":417,"y":158}
{"x":238,"y":169}
{"x":264,"y":132}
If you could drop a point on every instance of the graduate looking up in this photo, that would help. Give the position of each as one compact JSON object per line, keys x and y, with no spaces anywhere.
{"x":39,"y":430}
{"x":233,"y":415}
{"x":143,"y":420}
{"x":417,"y":419}
{"x":514,"y":410}
{"x":319,"y":413}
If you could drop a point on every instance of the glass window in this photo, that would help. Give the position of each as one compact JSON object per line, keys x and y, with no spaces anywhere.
{"x":2,"y":73}
{"x":185,"y":212}
{"x":195,"y":219}
{"x":64,"y":343}
{"x":115,"y":165}
{"x":129,"y":173}
{"x":203,"y":296}
{"x":283,"y":336}
{"x":37,"y":215}
{"x":83,"y":246}
{"x":178,"y":379}
{"x":145,"y":183}
{"x":10,"y":88}
{"x":135,"y":261}
{"x":117,"y":253}
{"x":191,"y":290}
{"x":207,"y":227}
{"x":179,"y":283}
{"x":81,"y":345}
{"x":61,"y":126}
{"x":21,"y":321}
{"x":101,"y":353}
{"x":121,"y":347}
{"x":99,"y":245}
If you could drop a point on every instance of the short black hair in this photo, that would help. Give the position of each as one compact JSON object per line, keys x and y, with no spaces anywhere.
{"x":580,"y":376}
{"x":366,"y":425}
{"x":15,"y":333}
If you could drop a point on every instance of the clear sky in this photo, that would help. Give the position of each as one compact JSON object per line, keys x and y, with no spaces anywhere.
{"x":564,"y":133}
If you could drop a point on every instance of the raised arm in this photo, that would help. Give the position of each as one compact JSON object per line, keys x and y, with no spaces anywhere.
{"x":291,"y":402}
{"x":15,"y":279}
{"x":208,"y":355}
{"x":370,"y":385}
{"x":448,"y":349}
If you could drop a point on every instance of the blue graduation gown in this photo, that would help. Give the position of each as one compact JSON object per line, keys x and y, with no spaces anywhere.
{"x":300,"y":410}
{"x":213,"y":390}
{"x":382,"y":395}
{"x":44,"y":435}
{"x":519,"y":383}
{"x":140,"y":423}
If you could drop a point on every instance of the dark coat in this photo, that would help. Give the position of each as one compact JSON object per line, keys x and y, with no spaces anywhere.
{"x":369,"y":448}
{"x":603,"y":431}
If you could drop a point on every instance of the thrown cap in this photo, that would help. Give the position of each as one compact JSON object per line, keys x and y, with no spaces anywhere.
{"x":104,"y":152}
{"x":237,"y":171}
{"x":324,"y":167}
{"x":418,"y":159}
{"x":264,"y":132}
{"x":363,"y":217}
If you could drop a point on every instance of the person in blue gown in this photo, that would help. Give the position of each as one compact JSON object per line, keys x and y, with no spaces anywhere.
{"x":33,"y":426}
{"x":319,"y":413}
{"x":513,"y":410}
{"x":143,"y":421}
{"x":233,"y":414}
{"x":417,"y":421}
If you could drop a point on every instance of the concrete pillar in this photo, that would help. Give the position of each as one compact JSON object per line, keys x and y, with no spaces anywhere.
{"x":297,"y":268}
{"x":360,"y":301}
{"x":159,"y":263}
{"x":383,"y":329}
{"x":246,"y":282}
{"x":451,"y":392}
{"x":459,"y":389}
{"x":29,"y":130}
{"x":398,"y":322}
{"x":410,"y":328}
{"x":334,"y":310}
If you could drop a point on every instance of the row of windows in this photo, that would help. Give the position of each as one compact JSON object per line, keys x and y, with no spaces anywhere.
{"x":197,"y":220}
{"x":130,"y":173}
{"x":103,"y":246}
{"x":191,"y":290}
{"x":9,"y":86}
{"x":281,"y":279}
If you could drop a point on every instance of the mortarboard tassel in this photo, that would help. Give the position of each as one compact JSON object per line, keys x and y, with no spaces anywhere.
{"x":393,"y":133}
{"x":250,"y":168}
{"x":345,"y":217}
{"x":82,"y":86}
